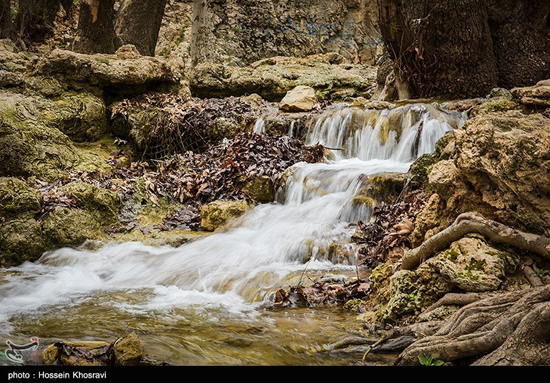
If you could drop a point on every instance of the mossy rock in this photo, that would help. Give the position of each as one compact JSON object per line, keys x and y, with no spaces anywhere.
{"x":261,"y":189}
{"x":21,"y":240}
{"x":81,"y":116}
{"x":17,"y":197}
{"x":128,"y":351}
{"x":31,"y":147}
{"x":378,"y":188}
{"x":67,"y":227}
{"x":103,"y":203}
{"x":420,"y":169}
{"x":218,"y":213}
{"x":412,"y":291}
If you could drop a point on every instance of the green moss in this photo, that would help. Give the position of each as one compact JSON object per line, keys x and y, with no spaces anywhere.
{"x":16,"y":197}
{"x":420,"y":169}
{"x":218,"y":213}
{"x":21,"y":240}
{"x":66,"y":227}
{"x":102,"y":203}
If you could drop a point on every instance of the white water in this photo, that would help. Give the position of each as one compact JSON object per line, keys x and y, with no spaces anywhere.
{"x":239,"y":268}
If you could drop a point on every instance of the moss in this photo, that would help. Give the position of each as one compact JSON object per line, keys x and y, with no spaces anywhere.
{"x":260,"y":189}
{"x":21,"y":240}
{"x":66,"y":227}
{"x":218,"y":213}
{"x":17,"y":197}
{"x":103,"y":203}
{"x":81,"y":116}
{"x":31,"y":147}
{"x":420,"y":169}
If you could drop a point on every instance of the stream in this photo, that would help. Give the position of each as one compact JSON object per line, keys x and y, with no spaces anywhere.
{"x":207,"y":302}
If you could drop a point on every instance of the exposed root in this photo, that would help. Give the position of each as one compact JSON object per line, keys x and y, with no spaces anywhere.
{"x":469,"y":223}
{"x":455,"y":299}
{"x":510,"y":328}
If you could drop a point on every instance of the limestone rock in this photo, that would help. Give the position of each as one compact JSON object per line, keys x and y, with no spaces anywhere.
{"x":299,"y":99}
{"x":123,"y":73}
{"x":272,"y":78}
{"x":217,"y":213}
{"x":499,"y":168}
{"x":536,"y":95}
{"x":473,"y":266}
{"x":16,"y":197}
{"x":128,"y":351}
{"x":261,"y":189}
{"x":31,"y":146}
{"x":87,"y":354}
{"x":94,"y":199}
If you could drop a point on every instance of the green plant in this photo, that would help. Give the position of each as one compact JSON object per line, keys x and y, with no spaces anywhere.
{"x":540,"y":272}
{"x":429,"y":361}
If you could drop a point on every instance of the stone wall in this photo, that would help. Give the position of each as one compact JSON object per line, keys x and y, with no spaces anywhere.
{"x":244,"y":31}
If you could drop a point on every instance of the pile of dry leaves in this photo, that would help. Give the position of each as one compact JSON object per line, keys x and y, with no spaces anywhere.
{"x":386,"y":235}
{"x":322,"y":293}
{"x":179,"y":124}
{"x":192,"y":179}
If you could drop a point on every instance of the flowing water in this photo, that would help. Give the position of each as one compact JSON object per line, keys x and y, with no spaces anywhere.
{"x":204,"y":302}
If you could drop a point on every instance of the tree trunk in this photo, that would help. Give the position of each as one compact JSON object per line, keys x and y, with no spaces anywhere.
{"x":441,"y":49}
{"x":521,"y":40}
{"x":35,"y":20}
{"x":139,"y":24}
{"x":96,"y":33}
{"x":5,"y":19}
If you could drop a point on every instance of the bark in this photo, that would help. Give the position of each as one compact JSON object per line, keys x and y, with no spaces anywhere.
{"x":96,"y":33}
{"x":520,"y":30}
{"x":468,"y":223}
{"x":139,"y":23}
{"x":440,"y":48}
{"x":35,"y":20}
{"x":6,"y":27}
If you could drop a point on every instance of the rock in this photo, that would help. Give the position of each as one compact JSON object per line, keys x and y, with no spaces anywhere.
{"x":122,"y":73}
{"x":261,"y":189}
{"x":16,"y":197}
{"x":217,"y":213}
{"x":272,"y":78}
{"x":77,"y":354}
{"x":500,"y":169}
{"x":81,"y":116}
{"x":537,"y":95}
{"x":473,"y":266}
{"x":128,"y":351}
{"x":21,"y":239}
{"x":378,"y":188}
{"x":411,"y":291}
{"x":299,"y":99}
{"x":101,"y":202}
{"x":66,"y":227}
{"x":30,"y":146}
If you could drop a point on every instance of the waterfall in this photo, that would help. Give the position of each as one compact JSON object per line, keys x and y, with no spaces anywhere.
{"x":240,"y":267}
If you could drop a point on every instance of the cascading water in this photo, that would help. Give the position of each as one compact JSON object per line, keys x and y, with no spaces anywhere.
{"x":227,"y":275}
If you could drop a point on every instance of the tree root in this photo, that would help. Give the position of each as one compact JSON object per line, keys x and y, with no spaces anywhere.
{"x":511,"y":328}
{"x":456,"y":299}
{"x":469,"y":223}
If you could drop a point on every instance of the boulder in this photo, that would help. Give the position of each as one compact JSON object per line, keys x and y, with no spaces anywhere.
{"x":536,"y":95}
{"x":16,"y":197}
{"x":128,"y":351}
{"x":272,"y":78}
{"x":261,"y":189}
{"x":30,"y":145}
{"x":299,"y":99}
{"x":123,"y":73}
{"x":217,"y":213}
{"x":472,"y":265}
{"x":499,"y":168}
